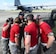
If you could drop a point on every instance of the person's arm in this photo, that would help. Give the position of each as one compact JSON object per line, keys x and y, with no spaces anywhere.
{"x":17,"y":39}
{"x":17,"y":33}
{"x":27,"y":42}
{"x":48,"y":31}
{"x":20,"y":24}
{"x":6,"y":27}
{"x":51,"y":39}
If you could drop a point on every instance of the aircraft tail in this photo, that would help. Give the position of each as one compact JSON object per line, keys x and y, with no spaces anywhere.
{"x":17,"y":3}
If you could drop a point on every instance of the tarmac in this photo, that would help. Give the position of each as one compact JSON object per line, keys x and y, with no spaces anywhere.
{"x":6,"y":14}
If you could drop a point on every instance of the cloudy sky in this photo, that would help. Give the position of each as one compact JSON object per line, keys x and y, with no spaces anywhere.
{"x":9,"y":4}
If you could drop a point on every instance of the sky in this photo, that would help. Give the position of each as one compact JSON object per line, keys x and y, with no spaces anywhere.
{"x":9,"y":4}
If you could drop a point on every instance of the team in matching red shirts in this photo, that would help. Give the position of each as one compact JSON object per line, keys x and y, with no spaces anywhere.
{"x":11,"y":34}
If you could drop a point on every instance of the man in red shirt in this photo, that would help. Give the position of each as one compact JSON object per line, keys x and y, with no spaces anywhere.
{"x":31,"y":38}
{"x":47,"y":35}
{"x":6,"y":35}
{"x":14,"y":37}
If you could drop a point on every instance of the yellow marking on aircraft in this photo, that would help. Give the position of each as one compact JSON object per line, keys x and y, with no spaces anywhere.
{"x":47,"y":10}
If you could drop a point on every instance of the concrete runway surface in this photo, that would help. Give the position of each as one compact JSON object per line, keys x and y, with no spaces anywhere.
{"x":6,"y":14}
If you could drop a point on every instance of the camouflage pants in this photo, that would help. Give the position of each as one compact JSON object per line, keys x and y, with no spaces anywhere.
{"x":5,"y":46}
{"x":47,"y":52}
{"x":13,"y":48}
{"x":34,"y":51}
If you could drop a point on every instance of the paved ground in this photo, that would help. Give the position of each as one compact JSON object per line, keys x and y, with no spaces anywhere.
{"x":4,"y":15}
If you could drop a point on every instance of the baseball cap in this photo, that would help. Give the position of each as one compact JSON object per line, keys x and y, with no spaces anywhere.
{"x":21,"y":13}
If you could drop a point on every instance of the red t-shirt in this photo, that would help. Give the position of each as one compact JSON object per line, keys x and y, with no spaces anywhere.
{"x":45,"y":30}
{"x":14,"y":30}
{"x":32,"y":30}
{"x":6,"y":33}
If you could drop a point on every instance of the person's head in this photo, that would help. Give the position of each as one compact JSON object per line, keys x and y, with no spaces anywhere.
{"x":16,"y":20}
{"x":9,"y":20}
{"x":39,"y":19}
{"x":30,"y":18}
{"x":21,"y":15}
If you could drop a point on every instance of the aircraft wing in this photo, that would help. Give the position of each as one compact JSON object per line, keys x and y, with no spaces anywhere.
{"x":43,"y":5}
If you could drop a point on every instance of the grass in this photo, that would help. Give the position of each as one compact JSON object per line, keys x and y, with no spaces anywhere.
{"x":41,"y":10}
{"x":54,"y":30}
{"x":13,"y":10}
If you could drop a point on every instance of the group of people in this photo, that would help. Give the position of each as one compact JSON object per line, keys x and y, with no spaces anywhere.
{"x":28,"y":28}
